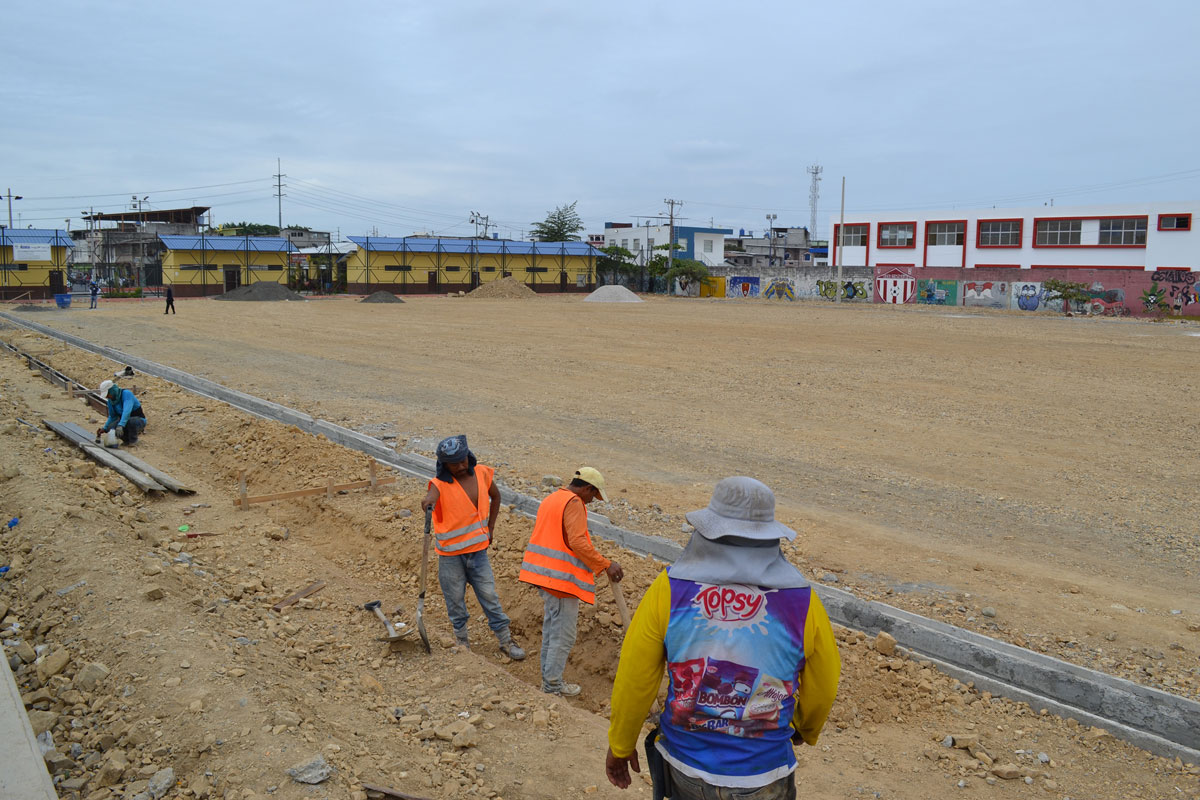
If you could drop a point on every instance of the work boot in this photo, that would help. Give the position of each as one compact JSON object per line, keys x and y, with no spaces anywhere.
{"x":509,"y":647}
{"x":462,"y":641}
{"x":566,"y":690}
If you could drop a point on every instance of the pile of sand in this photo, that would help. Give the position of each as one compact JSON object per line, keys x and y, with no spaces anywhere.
{"x":31,"y":307}
{"x":382,"y":296}
{"x":508,"y":287}
{"x":614,"y":293}
{"x":263,"y":290}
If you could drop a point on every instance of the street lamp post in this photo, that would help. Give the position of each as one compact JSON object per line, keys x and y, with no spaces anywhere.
{"x":771,"y":239}
{"x":11,"y":197}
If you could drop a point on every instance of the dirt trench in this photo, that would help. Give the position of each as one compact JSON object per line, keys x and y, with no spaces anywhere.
{"x":209,"y":681}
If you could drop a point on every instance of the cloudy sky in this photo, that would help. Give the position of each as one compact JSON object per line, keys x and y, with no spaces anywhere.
{"x":402,"y":117}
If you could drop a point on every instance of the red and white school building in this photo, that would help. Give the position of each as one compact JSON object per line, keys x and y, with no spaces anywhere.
{"x":1137,"y":258}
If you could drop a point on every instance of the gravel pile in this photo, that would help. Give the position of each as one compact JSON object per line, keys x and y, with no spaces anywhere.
{"x":31,"y":307}
{"x":382,"y":296}
{"x":261,"y":291}
{"x":614,"y":293}
{"x":508,"y":287}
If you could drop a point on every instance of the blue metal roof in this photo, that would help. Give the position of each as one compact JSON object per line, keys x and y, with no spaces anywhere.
{"x":258,"y":244}
{"x":35,"y":236}
{"x":422,"y":244}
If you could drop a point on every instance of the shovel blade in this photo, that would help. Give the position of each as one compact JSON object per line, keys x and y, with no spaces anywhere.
{"x":421,"y":623}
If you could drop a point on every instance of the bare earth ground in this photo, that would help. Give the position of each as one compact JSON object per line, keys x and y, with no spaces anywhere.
{"x":1040,"y":466}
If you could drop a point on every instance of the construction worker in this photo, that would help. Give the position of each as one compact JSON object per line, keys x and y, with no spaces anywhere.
{"x":462,"y":496}
{"x":752,"y":661}
{"x":170,"y":300}
{"x":94,"y":292}
{"x":561,"y":561}
{"x":125,"y":413}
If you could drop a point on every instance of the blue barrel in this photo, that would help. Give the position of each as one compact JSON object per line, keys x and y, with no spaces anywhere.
{"x":63,"y":300}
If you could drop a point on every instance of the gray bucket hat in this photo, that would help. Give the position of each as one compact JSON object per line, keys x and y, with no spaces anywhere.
{"x":740,"y":506}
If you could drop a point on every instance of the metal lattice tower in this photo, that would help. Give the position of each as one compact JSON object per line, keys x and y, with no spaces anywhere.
{"x":814,"y":193}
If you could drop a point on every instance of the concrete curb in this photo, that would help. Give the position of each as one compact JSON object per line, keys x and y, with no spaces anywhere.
{"x":1157,"y":721}
{"x":24,"y":773}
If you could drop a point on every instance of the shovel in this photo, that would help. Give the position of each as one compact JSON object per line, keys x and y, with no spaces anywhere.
{"x":392,"y":636}
{"x":424,"y":568}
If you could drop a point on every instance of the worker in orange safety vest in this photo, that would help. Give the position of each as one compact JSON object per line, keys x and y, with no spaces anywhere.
{"x":561,"y":561}
{"x":465,"y":502}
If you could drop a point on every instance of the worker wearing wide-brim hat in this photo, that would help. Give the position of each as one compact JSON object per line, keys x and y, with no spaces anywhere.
{"x":752,"y":660}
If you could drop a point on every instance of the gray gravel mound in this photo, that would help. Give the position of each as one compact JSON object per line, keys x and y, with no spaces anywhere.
{"x":382,"y":296}
{"x":613,"y":294}
{"x":262,"y":291}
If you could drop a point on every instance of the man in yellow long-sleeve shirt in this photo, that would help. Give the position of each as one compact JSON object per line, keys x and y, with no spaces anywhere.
{"x":752,"y":660}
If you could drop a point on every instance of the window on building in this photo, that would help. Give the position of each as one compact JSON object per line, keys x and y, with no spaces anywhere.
{"x":1174,"y":222}
{"x":453,"y":269}
{"x":637,"y":245}
{"x":942,"y":233}
{"x":649,"y":244}
{"x":489,"y":269}
{"x":897,"y":234}
{"x":683,"y":243}
{"x":535,"y":269}
{"x":1058,"y":232}
{"x":625,"y":243}
{"x":708,"y":245}
{"x":1126,"y":231}
{"x":1000,"y":233}
{"x":855,"y":235}
{"x":397,"y":268}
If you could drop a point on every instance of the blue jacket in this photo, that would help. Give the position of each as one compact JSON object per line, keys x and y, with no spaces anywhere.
{"x":119,"y":410}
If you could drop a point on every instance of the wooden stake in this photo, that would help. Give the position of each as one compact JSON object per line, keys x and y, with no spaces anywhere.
{"x":329,"y":489}
{"x":298,"y":596}
{"x":373,"y":484}
{"x":243,"y":503}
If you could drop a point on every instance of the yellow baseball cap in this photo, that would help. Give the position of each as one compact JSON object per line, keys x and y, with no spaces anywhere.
{"x":592,"y":476}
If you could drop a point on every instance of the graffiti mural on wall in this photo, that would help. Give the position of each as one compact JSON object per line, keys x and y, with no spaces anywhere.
{"x":743,"y":286}
{"x":1174,"y":290}
{"x":1106,"y":302}
{"x":1028,"y":296}
{"x":938,"y":293}
{"x":895,"y":286}
{"x":849,"y":290}
{"x":780,"y":288}
{"x":985,"y":294}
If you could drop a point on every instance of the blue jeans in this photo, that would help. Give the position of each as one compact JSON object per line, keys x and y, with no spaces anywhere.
{"x":560,"y":616}
{"x":133,"y":428}
{"x":454,"y":574}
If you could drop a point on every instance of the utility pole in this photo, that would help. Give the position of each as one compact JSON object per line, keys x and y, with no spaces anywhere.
{"x":11,"y":197}
{"x":837,"y":297}
{"x":478,"y":219}
{"x":814,"y":193}
{"x":771,"y":239}
{"x":279,"y":176}
{"x":671,"y":244}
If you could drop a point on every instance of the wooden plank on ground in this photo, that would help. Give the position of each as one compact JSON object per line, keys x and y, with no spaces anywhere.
{"x":292,"y":599}
{"x":266,"y":498}
{"x":137,"y":463}
{"x":101,"y":455}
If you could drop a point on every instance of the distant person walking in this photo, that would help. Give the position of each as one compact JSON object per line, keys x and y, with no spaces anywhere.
{"x":94,"y":290}
{"x":170,"y":301}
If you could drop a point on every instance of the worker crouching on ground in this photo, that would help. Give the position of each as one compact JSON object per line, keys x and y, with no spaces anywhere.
{"x":752,"y":661}
{"x":125,"y":413}
{"x":465,"y":502}
{"x":561,"y":561}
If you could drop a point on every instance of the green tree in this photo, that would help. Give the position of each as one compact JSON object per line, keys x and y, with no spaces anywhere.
{"x":616,"y":261}
{"x":1070,"y":293}
{"x":687,"y":271}
{"x":247,"y":229}
{"x":658,"y":263}
{"x":563,"y":224}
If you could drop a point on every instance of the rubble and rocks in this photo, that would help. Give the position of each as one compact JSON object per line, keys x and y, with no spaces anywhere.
{"x":506,"y":288}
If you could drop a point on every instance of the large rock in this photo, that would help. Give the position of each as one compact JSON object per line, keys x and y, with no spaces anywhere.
{"x":1008,"y":772}
{"x":313,"y":771}
{"x":161,"y":783}
{"x":42,"y":721}
{"x":90,"y":676}
{"x":53,"y":664}
{"x":885,"y":643}
{"x":113,"y":768}
{"x":467,"y":737}
{"x":285,"y":717}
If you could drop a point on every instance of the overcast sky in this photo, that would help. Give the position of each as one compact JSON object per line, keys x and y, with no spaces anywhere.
{"x":406,"y":117}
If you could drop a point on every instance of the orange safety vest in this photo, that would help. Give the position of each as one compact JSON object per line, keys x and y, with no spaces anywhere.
{"x":458,"y":526}
{"x":549,"y":562}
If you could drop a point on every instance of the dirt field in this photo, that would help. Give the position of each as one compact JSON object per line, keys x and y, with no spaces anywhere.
{"x":946,"y":462}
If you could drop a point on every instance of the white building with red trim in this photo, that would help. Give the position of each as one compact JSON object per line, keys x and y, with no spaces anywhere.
{"x":1143,"y":236}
